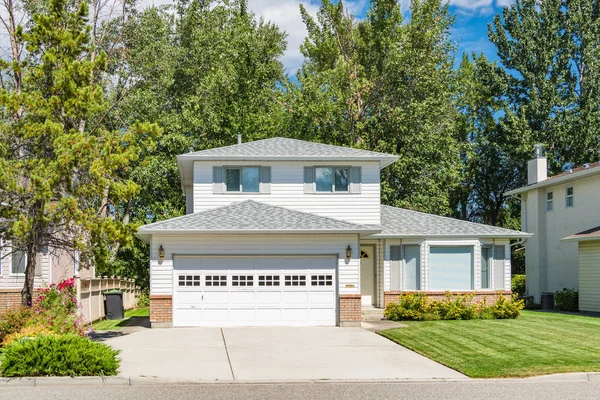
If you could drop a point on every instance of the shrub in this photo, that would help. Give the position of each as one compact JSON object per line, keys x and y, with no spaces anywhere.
{"x":67,"y":355}
{"x":518,"y":285}
{"x":412,"y":307}
{"x":144,"y":298}
{"x":32,"y":331}
{"x":507,"y":308}
{"x":14,"y":320}
{"x":566,"y":300}
{"x":454,"y":307}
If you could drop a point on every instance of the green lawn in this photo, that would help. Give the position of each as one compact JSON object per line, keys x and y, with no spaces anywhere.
{"x":536,"y":343}
{"x":116,"y":324}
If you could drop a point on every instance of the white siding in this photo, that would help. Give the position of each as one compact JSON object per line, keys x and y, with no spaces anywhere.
{"x":161,"y":273}
{"x":11,"y":281}
{"x":589,"y":276}
{"x":287,"y":190}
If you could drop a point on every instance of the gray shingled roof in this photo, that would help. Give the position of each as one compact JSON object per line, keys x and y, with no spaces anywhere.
{"x":284,"y":148}
{"x":400,"y":222}
{"x":252,"y":216}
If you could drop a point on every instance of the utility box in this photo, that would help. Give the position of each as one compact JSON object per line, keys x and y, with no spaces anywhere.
{"x":548,"y":301}
{"x":113,"y":305}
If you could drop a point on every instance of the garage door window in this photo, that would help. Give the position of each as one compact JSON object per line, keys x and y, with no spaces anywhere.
{"x":295,"y":280}
{"x":268,"y":280}
{"x":189,"y":280}
{"x":451,"y":268}
{"x":321,"y":280}
{"x":242,"y":280}
{"x":215,"y":280}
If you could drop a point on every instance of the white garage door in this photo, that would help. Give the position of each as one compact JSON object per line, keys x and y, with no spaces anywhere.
{"x":254,"y":291}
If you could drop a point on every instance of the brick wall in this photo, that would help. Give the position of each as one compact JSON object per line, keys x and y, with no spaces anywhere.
{"x":161,"y":310}
{"x":490,"y":296}
{"x":9,"y":298}
{"x":350,"y":309}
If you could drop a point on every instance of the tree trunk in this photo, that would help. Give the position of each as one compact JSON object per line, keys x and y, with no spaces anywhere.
{"x":27,"y":292}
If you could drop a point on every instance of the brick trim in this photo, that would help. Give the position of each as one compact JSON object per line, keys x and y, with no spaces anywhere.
{"x":161,"y":308}
{"x":479,"y":295}
{"x":350,"y":308}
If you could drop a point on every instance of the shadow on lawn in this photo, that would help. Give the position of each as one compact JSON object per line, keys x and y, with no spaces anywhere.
{"x":125,"y":326}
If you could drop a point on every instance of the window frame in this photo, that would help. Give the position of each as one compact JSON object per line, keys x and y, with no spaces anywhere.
{"x":10,"y":270}
{"x":448,"y":246}
{"x":549,"y":201}
{"x":334,"y":168}
{"x":241,"y":187}
{"x":570,"y":196}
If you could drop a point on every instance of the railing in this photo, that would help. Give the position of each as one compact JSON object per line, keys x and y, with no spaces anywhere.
{"x":90,"y":294}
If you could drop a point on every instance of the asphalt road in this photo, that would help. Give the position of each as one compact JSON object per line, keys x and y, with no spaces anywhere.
{"x":471,"y":390}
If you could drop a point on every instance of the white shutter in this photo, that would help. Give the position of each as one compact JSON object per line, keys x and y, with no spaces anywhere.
{"x":218,"y":179}
{"x":265,"y":180}
{"x":309,"y":176}
{"x":395,"y":259}
{"x":355,"y":179}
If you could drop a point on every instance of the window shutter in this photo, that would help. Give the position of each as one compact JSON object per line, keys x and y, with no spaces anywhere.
{"x":38,"y":265}
{"x":218,"y":179}
{"x":499,"y":272}
{"x":395,"y":260}
{"x":265,"y":180}
{"x":309,"y":174}
{"x":355,"y":179}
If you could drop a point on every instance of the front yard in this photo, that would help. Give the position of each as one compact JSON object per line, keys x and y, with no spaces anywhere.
{"x":117,"y":324}
{"x":536,"y":343}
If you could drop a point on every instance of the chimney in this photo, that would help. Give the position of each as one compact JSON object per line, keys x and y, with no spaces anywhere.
{"x":239,"y":139}
{"x":537,"y":168}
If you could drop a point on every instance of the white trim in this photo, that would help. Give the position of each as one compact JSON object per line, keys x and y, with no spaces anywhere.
{"x":550,"y":201}
{"x":555,"y":181}
{"x":569,"y":196}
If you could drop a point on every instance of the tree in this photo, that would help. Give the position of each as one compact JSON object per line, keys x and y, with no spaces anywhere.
{"x":384,"y":85}
{"x":61,"y":177}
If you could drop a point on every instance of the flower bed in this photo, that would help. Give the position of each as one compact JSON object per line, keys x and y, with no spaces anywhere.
{"x":416,"y":307}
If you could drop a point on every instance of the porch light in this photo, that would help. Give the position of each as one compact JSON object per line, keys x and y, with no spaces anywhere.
{"x":161,"y":253}
{"x":348,"y":252}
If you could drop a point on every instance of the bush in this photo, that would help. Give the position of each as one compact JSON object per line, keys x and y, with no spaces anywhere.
{"x":14,"y":320}
{"x":67,"y":355}
{"x":518,"y":285}
{"x":416,"y":307}
{"x":144,"y":299}
{"x":566,"y":300}
{"x":32,"y":331}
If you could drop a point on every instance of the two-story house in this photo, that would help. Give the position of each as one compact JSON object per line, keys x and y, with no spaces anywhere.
{"x":563,"y":215}
{"x":289,"y":232}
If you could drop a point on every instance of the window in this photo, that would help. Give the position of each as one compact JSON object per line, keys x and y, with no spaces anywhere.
{"x":332,"y":179}
{"x":268,"y":280}
{"x":412,"y":267}
{"x":486,"y":258}
{"x":570,"y":197}
{"x":499,"y":267}
{"x":19,"y":260}
{"x":364,"y":254}
{"x":242,"y":280}
{"x":451,"y":268}
{"x":189,"y":280}
{"x":321,"y":280}
{"x":215,"y":280}
{"x":246,"y":179}
{"x":295,"y":280}
{"x":549,"y":201}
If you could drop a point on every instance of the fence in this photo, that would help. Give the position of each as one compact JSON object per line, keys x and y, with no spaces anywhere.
{"x":91,"y":298}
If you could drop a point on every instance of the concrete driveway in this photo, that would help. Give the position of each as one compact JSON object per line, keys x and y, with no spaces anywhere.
{"x":270,"y":354}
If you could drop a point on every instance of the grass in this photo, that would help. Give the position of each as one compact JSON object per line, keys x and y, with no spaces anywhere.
{"x":116,"y":324}
{"x":536,"y":343}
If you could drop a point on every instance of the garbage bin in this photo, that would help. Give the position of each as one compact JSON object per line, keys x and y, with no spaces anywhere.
{"x":547,"y":301}
{"x":113,"y":304}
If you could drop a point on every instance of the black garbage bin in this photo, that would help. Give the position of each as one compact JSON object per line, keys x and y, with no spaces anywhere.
{"x":547,"y":301}
{"x":113,"y":304}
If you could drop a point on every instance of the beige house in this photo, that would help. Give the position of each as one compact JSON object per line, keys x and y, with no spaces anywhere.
{"x":554,"y":209}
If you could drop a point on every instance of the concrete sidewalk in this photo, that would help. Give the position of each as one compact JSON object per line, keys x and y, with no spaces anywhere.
{"x":270,"y":354}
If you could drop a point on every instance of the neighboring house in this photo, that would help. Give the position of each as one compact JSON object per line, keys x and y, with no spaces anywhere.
{"x":560,"y":211}
{"x":51,"y":267}
{"x":288,"y":232}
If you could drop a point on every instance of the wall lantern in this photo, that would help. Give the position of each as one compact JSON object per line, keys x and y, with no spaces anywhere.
{"x":348,"y":252}
{"x":161,"y":253}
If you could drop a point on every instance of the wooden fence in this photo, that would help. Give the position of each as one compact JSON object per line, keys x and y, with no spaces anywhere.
{"x":90,"y":294}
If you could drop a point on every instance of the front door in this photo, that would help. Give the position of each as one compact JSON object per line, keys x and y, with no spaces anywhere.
{"x":367,"y":275}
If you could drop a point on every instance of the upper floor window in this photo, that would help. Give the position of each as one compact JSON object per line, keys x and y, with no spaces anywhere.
{"x":549,"y":201}
{"x":332,"y":179}
{"x":19,"y":261}
{"x":243,"y":179}
{"x":570,"y":200}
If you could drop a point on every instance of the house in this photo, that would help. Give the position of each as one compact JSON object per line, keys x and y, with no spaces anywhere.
{"x":51,"y":267}
{"x":289,"y":232}
{"x":563,"y":215}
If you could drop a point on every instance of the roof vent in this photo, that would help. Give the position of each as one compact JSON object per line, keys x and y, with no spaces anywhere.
{"x":569,"y":170}
{"x":586,"y":165}
{"x":538,"y":150}
{"x":239,"y":139}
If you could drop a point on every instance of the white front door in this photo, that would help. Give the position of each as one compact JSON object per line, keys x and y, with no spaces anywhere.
{"x":367,"y":275}
{"x":254,"y":291}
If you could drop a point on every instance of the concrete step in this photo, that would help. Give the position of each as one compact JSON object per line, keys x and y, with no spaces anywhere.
{"x":372,"y":314}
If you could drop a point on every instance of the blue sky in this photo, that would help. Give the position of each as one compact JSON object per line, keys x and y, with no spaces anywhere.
{"x":469,"y":31}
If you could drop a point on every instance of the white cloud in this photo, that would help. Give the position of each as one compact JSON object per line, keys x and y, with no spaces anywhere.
{"x":471,"y":4}
{"x":504,"y":3}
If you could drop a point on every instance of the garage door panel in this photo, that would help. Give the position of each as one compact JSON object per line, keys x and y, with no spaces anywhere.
{"x":255,"y":290}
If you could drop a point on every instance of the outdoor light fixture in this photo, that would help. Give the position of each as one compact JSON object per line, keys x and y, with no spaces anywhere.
{"x":161,"y":253}
{"x":348,"y":252}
